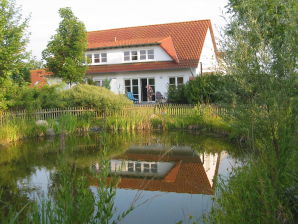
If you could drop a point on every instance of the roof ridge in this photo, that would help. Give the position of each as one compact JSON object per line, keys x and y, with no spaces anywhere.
{"x":122,"y":28}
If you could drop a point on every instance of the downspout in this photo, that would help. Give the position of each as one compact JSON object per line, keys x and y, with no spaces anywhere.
{"x":191,"y":72}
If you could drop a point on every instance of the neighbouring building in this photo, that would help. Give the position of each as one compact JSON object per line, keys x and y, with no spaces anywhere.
{"x":39,"y":77}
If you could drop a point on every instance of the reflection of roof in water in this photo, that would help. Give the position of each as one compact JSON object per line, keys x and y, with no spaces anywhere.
{"x":183,"y":178}
{"x":186,"y":176}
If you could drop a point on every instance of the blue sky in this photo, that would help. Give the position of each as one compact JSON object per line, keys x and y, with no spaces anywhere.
{"x":99,"y":14}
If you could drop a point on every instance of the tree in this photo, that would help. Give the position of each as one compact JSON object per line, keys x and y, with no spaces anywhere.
{"x":65,"y":53}
{"x":22,"y":77}
{"x":13,"y":39}
{"x":260,"y":45}
{"x":262,"y":55}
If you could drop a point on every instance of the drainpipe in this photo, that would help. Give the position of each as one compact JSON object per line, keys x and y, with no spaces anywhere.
{"x":191,"y":72}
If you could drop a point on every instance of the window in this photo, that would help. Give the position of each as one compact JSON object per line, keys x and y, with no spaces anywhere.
{"x":89,"y":59}
{"x":154,"y":168}
{"x":150,"y":54}
{"x":179,"y":81}
{"x":96,"y":58}
{"x":134,"y":55}
{"x":146,"y":167}
{"x":132,"y":85}
{"x":175,"y":81}
{"x":141,"y":55}
{"x":103,"y":57}
{"x":138,"y":167}
{"x":172,"y":82}
{"x":126,"y":55}
{"x":130,"y":167}
{"x":98,"y":83}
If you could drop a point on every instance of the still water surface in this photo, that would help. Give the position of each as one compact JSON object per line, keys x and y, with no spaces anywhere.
{"x":168,"y":176}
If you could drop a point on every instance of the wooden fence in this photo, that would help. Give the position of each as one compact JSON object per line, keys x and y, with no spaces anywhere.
{"x":131,"y":110}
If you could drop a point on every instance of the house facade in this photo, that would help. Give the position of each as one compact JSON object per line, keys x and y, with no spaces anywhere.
{"x":145,"y":60}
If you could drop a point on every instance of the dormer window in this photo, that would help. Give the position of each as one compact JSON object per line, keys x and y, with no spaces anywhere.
{"x":103,"y":57}
{"x":134,"y":55}
{"x":150,"y":54}
{"x":126,"y":55}
{"x":141,"y":55}
{"x":96,"y":58}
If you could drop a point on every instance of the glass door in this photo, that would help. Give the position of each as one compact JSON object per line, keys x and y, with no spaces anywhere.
{"x":132,"y":85}
{"x":147,"y":89}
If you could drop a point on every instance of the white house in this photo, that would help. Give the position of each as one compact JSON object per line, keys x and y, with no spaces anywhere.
{"x":157,"y":55}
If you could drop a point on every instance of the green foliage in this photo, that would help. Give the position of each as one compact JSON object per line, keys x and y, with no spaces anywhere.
{"x":260,"y":46}
{"x":257,"y":194}
{"x":83,"y":95}
{"x":22,"y":77}
{"x":17,"y":129}
{"x":12,"y":39}
{"x":27,"y":98}
{"x":65,"y":53}
{"x":177,"y":94}
{"x":212,"y":88}
{"x":205,"y":89}
{"x":106,"y":83}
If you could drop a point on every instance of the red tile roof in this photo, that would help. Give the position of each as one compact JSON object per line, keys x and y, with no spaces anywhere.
{"x":124,"y":43}
{"x":182,"y":41}
{"x":37,"y":77}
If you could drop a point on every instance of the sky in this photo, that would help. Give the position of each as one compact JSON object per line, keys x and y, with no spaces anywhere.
{"x":108,"y":14}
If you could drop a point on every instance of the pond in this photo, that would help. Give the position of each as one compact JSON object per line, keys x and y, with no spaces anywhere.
{"x":167,"y":176}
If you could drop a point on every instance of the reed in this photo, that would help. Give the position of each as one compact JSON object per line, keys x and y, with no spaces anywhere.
{"x":71,"y":199}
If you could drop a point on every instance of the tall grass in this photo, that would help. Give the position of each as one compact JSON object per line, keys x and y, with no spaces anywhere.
{"x":17,"y":128}
{"x":198,"y":118}
{"x":142,"y":118}
{"x":266,"y":190}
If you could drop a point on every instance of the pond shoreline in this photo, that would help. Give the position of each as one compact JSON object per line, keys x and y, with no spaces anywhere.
{"x":68,"y":124}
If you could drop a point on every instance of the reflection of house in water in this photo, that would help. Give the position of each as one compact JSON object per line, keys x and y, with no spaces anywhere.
{"x":157,"y":168}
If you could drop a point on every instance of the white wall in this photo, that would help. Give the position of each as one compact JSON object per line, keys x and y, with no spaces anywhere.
{"x":161,"y":79}
{"x":116,"y":55}
{"x":208,"y":57}
{"x":209,"y":164}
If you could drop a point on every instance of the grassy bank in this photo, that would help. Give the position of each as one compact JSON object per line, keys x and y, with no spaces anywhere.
{"x":203,"y":119}
{"x":16,"y":129}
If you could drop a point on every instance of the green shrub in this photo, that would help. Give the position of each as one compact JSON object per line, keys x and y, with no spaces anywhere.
{"x":27,"y":98}
{"x":84,"y":95}
{"x":203,"y":89}
{"x":177,"y":94}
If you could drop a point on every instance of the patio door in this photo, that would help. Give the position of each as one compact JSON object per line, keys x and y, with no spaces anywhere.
{"x":132,"y":85}
{"x":145,"y":82}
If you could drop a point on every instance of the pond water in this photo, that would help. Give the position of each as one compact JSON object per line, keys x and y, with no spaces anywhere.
{"x":167,"y":176}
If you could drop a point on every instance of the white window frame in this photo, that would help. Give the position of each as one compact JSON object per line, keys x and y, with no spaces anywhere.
{"x":100,"y":54}
{"x":131,"y":85}
{"x":139,"y":55}
{"x":176,"y":81}
{"x":99,"y":81}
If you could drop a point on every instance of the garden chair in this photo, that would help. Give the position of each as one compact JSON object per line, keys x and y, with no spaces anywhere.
{"x":131,"y":97}
{"x":159,"y":97}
